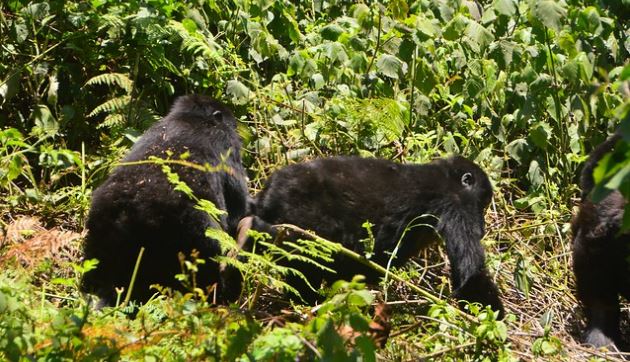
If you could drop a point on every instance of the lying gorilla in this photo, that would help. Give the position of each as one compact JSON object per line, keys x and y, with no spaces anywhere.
{"x":334,"y":196}
{"x":600,"y":255}
{"x":137,"y":207}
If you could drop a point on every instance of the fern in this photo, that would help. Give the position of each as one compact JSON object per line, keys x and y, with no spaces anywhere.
{"x":113,"y":105}
{"x":114,"y":23}
{"x":196,"y":43}
{"x":383,"y":115}
{"x":112,"y":79}
{"x":113,"y":120}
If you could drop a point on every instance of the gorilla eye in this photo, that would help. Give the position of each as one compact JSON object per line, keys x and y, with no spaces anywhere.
{"x":468,"y":179}
{"x":217,"y":114}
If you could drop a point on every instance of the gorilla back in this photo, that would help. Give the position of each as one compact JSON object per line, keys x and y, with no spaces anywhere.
{"x":600,"y":256}
{"x":137,"y":207}
{"x":335,"y":196}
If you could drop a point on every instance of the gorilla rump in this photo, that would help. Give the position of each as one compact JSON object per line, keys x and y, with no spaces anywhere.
{"x":137,"y":207}
{"x":335,"y":196}
{"x":600,"y":255}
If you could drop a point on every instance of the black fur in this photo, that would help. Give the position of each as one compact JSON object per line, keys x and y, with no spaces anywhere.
{"x":335,"y":196}
{"x":137,"y":207}
{"x":600,"y":256}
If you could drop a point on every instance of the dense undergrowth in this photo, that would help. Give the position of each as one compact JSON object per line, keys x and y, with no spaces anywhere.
{"x":525,"y":88}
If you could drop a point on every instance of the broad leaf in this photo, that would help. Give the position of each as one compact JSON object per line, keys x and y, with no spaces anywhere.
{"x":389,"y":65}
{"x":549,"y":12}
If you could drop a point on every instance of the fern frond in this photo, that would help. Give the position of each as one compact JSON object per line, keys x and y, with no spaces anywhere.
{"x":112,"y":79}
{"x":113,"y":120}
{"x":196,"y":43}
{"x":112,"y":21}
{"x":383,"y":113}
{"x":112,"y":105}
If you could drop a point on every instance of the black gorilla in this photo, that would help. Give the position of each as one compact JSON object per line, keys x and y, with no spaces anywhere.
{"x":137,"y":207}
{"x":600,"y":255}
{"x":335,"y":196}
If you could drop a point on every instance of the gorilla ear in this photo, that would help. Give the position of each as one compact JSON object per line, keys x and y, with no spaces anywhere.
{"x":218,"y":115}
{"x":467,"y":179}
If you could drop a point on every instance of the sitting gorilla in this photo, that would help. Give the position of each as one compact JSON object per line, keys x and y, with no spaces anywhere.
{"x":137,"y":207}
{"x":334,"y":196}
{"x":600,"y":256}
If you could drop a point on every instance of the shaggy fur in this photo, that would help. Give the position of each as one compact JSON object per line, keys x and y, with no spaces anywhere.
{"x":600,"y":256}
{"x":335,"y":196}
{"x":137,"y":207}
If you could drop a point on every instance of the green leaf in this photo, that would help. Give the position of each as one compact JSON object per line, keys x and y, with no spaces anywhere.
{"x":45,"y":122}
{"x":589,"y":20}
{"x":455,"y":28}
{"x":474,"y":86}
{"x":478,"y":34}
{"x":518,"y":150}
{"x":37,"y":10}
{"x":334,"y":51}
{"x":540,"y":134}
{"x":425,"y":28}
{"x":620,"y":177}
{"x":504,"y":7}
{"x":389,"y":65}
{"x":549,"y":12}
{"x":425,"y":78}
{"x":503,"y":52}
{"x":535,"y":174}
{"x":189,"y":25}
{"x":585,"y":65}
{"x":239,"y":92}
{"x":332,"y":32}
{"x":548,"y":348}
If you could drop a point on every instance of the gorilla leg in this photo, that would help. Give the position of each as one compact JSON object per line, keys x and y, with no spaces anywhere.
{"x":596,"y":288}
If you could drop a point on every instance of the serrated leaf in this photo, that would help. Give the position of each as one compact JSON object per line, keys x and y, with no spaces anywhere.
{"x":45,"y":122}
{"x":479,"y":34}
{"x":426,"y":28}
{"x":504,"y":7}
{"x":504,"y":52}
{"x":549,"y":12}
{"x":332,"y":32}
{"x":318,"y":81}
{"x":389,"y":65}
{"x":455,"y":28}
{"x":518,"y":150}
{"x":474,"y":86}
{"x":334,"y":51}
{"x":37,"y":10}
{"x":535,"y":174}
{"x":238,"y":91}
{"x":540,"y":134}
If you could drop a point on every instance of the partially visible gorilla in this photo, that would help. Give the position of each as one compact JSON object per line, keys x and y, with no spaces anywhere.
{"x":334,"y":196}
{"x":600,"y":255}
{"x":137,"y":207}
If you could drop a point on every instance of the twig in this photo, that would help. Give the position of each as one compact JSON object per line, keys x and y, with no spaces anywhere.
{"x":446,"y":350}
{"x":133,"y":276}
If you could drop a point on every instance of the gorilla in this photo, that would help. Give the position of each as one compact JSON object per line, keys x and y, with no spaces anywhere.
{"x":600,"y":255}
{"x":137,"y":207}
{"x":415,"y":204}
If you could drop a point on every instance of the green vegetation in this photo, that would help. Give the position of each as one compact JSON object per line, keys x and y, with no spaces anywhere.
{"x":525,"y":88}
